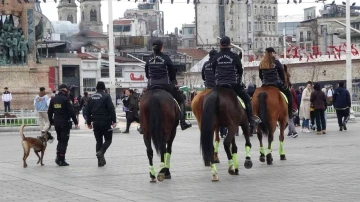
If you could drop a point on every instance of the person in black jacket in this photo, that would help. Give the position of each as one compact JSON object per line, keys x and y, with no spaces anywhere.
{"x":133,"y":113}
{"x":62,"y":110}
{"x":207,"y":71}
{"x":160,"y":71}
{"x":101,"y":113}
{"x":342,"y":105}
{"x":271,"y":73}
{"x":228,"y":70}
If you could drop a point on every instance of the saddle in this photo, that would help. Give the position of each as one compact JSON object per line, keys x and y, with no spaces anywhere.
{"x":225,"y":86}
{"x":230,"y":87}
{"x":284,"y":96}
{"x":157,"y":87}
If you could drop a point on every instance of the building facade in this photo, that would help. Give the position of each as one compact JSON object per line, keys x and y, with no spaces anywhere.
{"x":187,"y":36}
{"x":90,"y":12}
{"x":67,"y":11}
{"x":129,"y":27}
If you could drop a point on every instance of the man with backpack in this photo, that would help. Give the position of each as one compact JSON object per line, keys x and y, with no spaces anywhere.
{"x":83,"y":104}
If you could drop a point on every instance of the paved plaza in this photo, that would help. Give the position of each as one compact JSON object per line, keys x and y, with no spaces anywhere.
{"x":319,"y":168}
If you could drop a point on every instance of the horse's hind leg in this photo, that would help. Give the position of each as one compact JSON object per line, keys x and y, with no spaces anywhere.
{"x":216,"y":147}
{"x":262,"y":150}
{"x":234,"y":157}
{"x":149,"y":151}
{"x":269,"y":158}
{"x":246,"y":131}
{"x":168,"y":155}
{"x":281,"y":140}
{"x":229,"y":139}
{"x":161,"y":174}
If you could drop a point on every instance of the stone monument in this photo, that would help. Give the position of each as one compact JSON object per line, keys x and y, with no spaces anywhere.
{"x":20,"y":70}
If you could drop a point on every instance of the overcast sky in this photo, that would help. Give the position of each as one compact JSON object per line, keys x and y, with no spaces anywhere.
{"x":175,"y":14}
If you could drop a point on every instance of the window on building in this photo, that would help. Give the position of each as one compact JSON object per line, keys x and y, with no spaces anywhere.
{"x":274,"y":27}
{"x":274,"y":11}
{"x":265,"y":26}
{"x":126,"y":28}
{"x":270,"y":27}
{"x":255,"y":8}
{"x":93,"y":15}
{"x":191,"y":43}
{"x":70,"y":18}
{"x":70,"y":72}
{"x":104,"y":71}
{"x":249,"y":10}
{"x":82,"y":16}
{"x":118,"y":71}
{"x":89,"y":84}
{"x":249,"y":26}
{"x":255,"y":26}
{"x":308,"y":36}
{"x":190,"y":31}
{"x":301,"y":36}
{"x":308,"y":47}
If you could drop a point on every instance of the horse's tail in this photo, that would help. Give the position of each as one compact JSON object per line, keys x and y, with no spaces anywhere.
{"x":263,"y":115}
{"x":155,"y":123}
{"x":207,"y":126}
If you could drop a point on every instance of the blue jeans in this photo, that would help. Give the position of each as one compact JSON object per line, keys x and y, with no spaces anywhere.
{"x":305,"y":123}
{"x":84,"y":112}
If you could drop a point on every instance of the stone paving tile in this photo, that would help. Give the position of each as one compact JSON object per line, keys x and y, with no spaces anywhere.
{"x":319,"y":168}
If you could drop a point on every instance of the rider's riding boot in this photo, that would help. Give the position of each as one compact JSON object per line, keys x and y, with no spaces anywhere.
{"x":183,"y":124}
{"x":253,"y":120}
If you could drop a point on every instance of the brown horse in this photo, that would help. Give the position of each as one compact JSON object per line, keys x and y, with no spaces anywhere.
{"x":197,"y":108}
{"x":270,"y":106}
{"x":222,"y":108}
{"x":159,"y":117}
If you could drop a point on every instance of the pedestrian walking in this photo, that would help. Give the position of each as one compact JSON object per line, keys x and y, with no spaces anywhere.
{"x":101,"y":114}
{"x":342,"y":105}
{"x":41,"y":105}
{"x":133,"y":113}
{"x":83,"y":104}
{"x":319,"y":103}
{"x":6,"y":98}
{"x":292,"y":129}
{"x":59,"y":113}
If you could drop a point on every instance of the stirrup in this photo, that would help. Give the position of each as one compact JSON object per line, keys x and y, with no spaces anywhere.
{"x":256,"y":119}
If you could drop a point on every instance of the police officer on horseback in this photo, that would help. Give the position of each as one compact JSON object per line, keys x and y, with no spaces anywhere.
{"x":160,"y":72}
{"x":271,"y":73}
{"x":228,"y":71}
{"x":207,"y":71}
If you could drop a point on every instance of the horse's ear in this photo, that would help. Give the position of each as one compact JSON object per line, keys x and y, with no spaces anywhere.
{"x":240,"y":55}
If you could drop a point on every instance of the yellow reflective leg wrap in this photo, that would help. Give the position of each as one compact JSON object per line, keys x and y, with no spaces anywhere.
{"x":167,"y":160}
{"x":235,"y":160}
{"x":281,"y":148}
{"x":216,"y":149}
{"x":162,"y":165}
{"x":247,"y":150}
{"x":152,"y":170}
{"x":213,"y":169}
{"x":230,"y":162}
{"x":262,"y":150}
{"x":270,"y":150}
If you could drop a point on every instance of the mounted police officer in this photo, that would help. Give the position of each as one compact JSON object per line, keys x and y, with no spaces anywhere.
{"x":100,"y":112}
{"x":228,"y":70}
{"x":160,"y":71}
{"x":207,"y":71}
{"x":271,"y":73}
{"x":62,"y":110}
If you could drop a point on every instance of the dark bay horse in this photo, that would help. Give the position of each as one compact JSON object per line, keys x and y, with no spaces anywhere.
{"x":222,"y":108}
{"x":159,"y":117}
{"x":270,"y":106}
{"x":197,"y":108}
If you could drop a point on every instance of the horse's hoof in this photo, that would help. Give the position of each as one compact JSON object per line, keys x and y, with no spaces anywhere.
{"x":248,"y":163}
{"x":161,"y":177}
{"x":25,"y":166}
{"x":168,"y":177}
{"x":42,"y":164}
{"x":38,"y":162}
{"x":231,"y":170}
{"x":152,"y":179}
{"x":269,"y":159}
{"x":236,"y":171}
{"x":215,"y":178}
{"x":282,"y":157}
{"x":262,"y":159}
{"x":216,"y":161}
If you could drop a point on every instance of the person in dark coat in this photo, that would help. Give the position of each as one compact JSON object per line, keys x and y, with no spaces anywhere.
{"x":271,"y":73}
{"x":228,"y":71}
{"x":133,"y":113}
{"x":342,"y":105}
{"x":319,"y":103}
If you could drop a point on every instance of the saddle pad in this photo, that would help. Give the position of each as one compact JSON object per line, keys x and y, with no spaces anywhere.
{"x":241,"y":102}
{"x":286,"y":100}
{"x":177,"y":104}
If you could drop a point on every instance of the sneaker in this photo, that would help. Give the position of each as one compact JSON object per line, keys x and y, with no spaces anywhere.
{"x":63,"y":163}
{"x":344,"y":126}
{"x":294,"y":135}
{"x":306,"y":130}
{"x":318,"y":132}
{"x":126,"y":131}
{"x":323,"y":132}
{"x":290,"y":134}
{"x":340,"y":128}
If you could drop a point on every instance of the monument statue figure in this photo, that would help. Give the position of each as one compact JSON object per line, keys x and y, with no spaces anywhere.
{"x":23,"y":48}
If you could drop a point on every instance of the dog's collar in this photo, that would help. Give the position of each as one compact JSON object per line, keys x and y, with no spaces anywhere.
{"x":42,"y":139}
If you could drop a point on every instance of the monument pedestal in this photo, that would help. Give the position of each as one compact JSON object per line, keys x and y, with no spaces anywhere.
{"x":24,"y":83}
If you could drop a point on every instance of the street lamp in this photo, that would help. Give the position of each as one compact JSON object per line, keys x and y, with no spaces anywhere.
{"x":111,"y":54}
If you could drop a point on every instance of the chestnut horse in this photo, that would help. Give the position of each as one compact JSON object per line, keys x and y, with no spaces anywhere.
{"x":197,"y":108}
{"x":159,"y":117}
{"x":222,"y":108}
{"x":270,"y":106}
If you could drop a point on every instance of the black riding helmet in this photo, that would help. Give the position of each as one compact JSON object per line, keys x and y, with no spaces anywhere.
{"x":212,"y":52}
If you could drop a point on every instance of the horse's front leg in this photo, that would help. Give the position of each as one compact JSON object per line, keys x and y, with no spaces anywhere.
{"x":216,"y":147}
{"x":227,"y":145}
{"x":269,"y":158}
{"x":149,"y":151}
{"x":281,"y":140}
{"x":262,"y":150}
{"x":168,"y":155}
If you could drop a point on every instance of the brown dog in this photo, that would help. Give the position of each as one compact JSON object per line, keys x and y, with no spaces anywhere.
{"x":38,"y":144}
